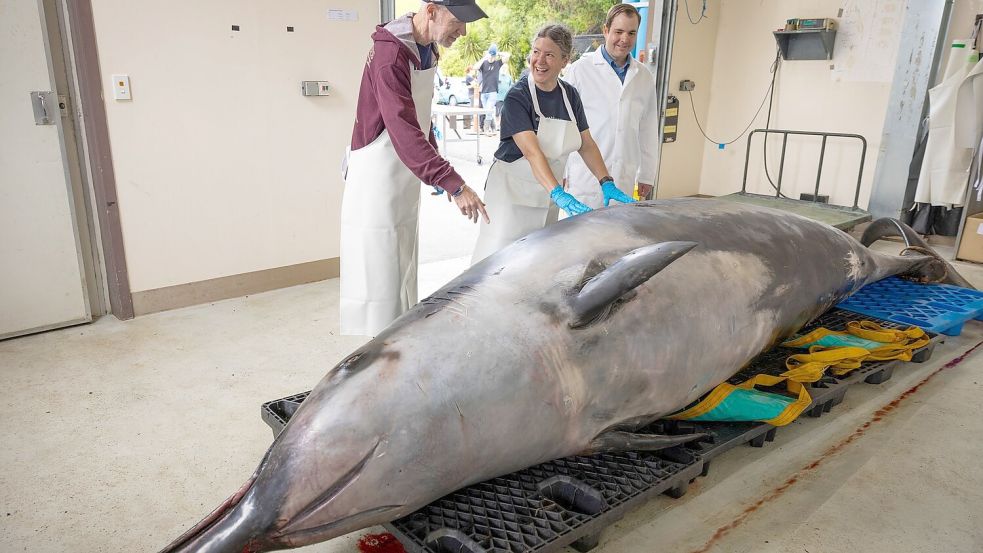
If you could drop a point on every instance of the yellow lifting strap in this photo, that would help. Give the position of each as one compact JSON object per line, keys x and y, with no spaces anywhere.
{"x":720,"y":393}
{"x":809,"y":367}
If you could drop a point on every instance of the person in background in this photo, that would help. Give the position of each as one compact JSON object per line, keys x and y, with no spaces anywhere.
{"x":392,"y":150}
{"x":469,"y":79}
{"x":504,"y":84}
{"x":622,"y":108}
{"x":543,"y":122}
{"x":525,"y":68}
{"x":488,"y":71}
{"x":471,"y":83}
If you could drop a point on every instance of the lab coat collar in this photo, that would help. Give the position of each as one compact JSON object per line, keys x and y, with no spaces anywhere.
{"x":597,"y":58}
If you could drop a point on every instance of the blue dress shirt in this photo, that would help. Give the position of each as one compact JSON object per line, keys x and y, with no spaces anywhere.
{"x":619,"y":71}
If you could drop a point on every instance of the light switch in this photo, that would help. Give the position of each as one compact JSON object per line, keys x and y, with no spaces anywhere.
{"x":121,"y":87}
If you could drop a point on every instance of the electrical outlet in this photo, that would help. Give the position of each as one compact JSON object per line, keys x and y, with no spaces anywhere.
{"x":121,"y":87}
{"x":315,"y":88}
{"x":686,"y":85}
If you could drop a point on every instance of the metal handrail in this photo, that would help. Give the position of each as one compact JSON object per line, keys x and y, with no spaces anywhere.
{"x":822,"y":155}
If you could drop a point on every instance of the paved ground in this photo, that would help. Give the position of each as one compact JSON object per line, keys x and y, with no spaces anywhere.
{"x":447,"y":238}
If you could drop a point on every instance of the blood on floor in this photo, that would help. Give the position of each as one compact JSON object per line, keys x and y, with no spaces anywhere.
{"x":380,"y":543}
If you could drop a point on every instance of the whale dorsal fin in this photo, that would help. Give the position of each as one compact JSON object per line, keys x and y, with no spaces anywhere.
{"x":622,"y":277}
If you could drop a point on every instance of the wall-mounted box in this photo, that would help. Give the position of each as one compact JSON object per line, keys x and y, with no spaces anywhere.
{"x":827,"y":23}
{"x":315,"y":88}
{"x":806,"y":44}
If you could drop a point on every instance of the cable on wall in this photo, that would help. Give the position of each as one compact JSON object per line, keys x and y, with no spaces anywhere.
{"x":764,"y":148}
{"x":768,"y":94}
{"x":703,"y":12}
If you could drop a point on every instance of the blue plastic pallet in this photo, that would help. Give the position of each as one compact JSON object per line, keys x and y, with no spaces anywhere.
{"x":940,"y":308}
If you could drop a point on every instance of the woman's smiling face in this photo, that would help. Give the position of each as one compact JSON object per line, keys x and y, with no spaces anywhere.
{"x":545,"y":62}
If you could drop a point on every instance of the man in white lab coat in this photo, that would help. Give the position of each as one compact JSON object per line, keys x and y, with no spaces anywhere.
{"x":622,"y":109}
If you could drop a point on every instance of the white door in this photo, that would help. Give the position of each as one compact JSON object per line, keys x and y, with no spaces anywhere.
{"x":41,"y":275}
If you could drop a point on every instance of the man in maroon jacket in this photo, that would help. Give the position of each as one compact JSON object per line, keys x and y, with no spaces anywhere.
{"x":393,"y":149}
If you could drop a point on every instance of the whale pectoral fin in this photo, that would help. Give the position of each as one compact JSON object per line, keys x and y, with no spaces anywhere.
{"x":599,"y":293}
{"x":626,"y":441}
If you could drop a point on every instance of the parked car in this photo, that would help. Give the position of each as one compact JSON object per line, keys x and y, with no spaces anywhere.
{"x":451,"y":91}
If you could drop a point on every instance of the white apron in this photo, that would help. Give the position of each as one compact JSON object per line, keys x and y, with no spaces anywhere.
{"x":380,"y":214}
{"x":948,"y":155}
{"x":514,"y":198}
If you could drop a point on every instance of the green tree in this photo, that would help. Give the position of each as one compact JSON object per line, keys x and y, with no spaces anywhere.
{"x":521,"y":18}
{"x":511,"y":24}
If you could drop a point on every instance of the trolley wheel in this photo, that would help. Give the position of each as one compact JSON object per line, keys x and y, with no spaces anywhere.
{"x":479,"y":160}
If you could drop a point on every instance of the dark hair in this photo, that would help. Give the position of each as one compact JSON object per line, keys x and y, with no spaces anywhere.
{"x":619,"y":9}
{"x":558,"y":33}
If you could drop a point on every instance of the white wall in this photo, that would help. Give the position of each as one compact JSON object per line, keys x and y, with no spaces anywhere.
{"x":222,"y":166}
{"x":851,"y":98}
{"x":693,"y":54}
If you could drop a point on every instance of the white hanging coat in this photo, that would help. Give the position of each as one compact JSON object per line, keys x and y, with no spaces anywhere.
{"x":515,"y":200}
{"x":955,"y":121}
{"x":624,"y":121}
{"x":380,"y":214}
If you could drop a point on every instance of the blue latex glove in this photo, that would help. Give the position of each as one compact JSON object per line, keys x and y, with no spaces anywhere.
{"x":567,"y":202}
{"x":612,"y":192}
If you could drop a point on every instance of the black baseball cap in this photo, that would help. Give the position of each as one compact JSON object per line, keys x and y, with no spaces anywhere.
{"x":466,"y":11}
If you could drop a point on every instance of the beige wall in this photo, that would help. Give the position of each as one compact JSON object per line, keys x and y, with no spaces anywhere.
{"x":809,"y":96}
{"x":693,"y":55}
{"x":222,"y":166}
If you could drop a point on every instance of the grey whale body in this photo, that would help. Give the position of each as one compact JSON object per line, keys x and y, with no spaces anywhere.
{"x":557,"y":345}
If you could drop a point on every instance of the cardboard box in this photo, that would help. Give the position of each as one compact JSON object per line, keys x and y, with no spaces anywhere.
{"x":971,"y":246}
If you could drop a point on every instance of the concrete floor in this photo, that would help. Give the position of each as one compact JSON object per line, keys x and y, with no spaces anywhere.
{"x":118,"y":436}
{"x":447,"y":238}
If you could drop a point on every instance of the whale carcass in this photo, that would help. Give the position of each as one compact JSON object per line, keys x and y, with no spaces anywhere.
{"x":562,"y":343}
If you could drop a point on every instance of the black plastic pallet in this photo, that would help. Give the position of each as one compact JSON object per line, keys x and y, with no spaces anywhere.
{"x":570,"y":501}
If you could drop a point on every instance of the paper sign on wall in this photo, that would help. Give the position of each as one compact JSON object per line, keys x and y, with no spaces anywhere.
{"x":342,"y":15}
